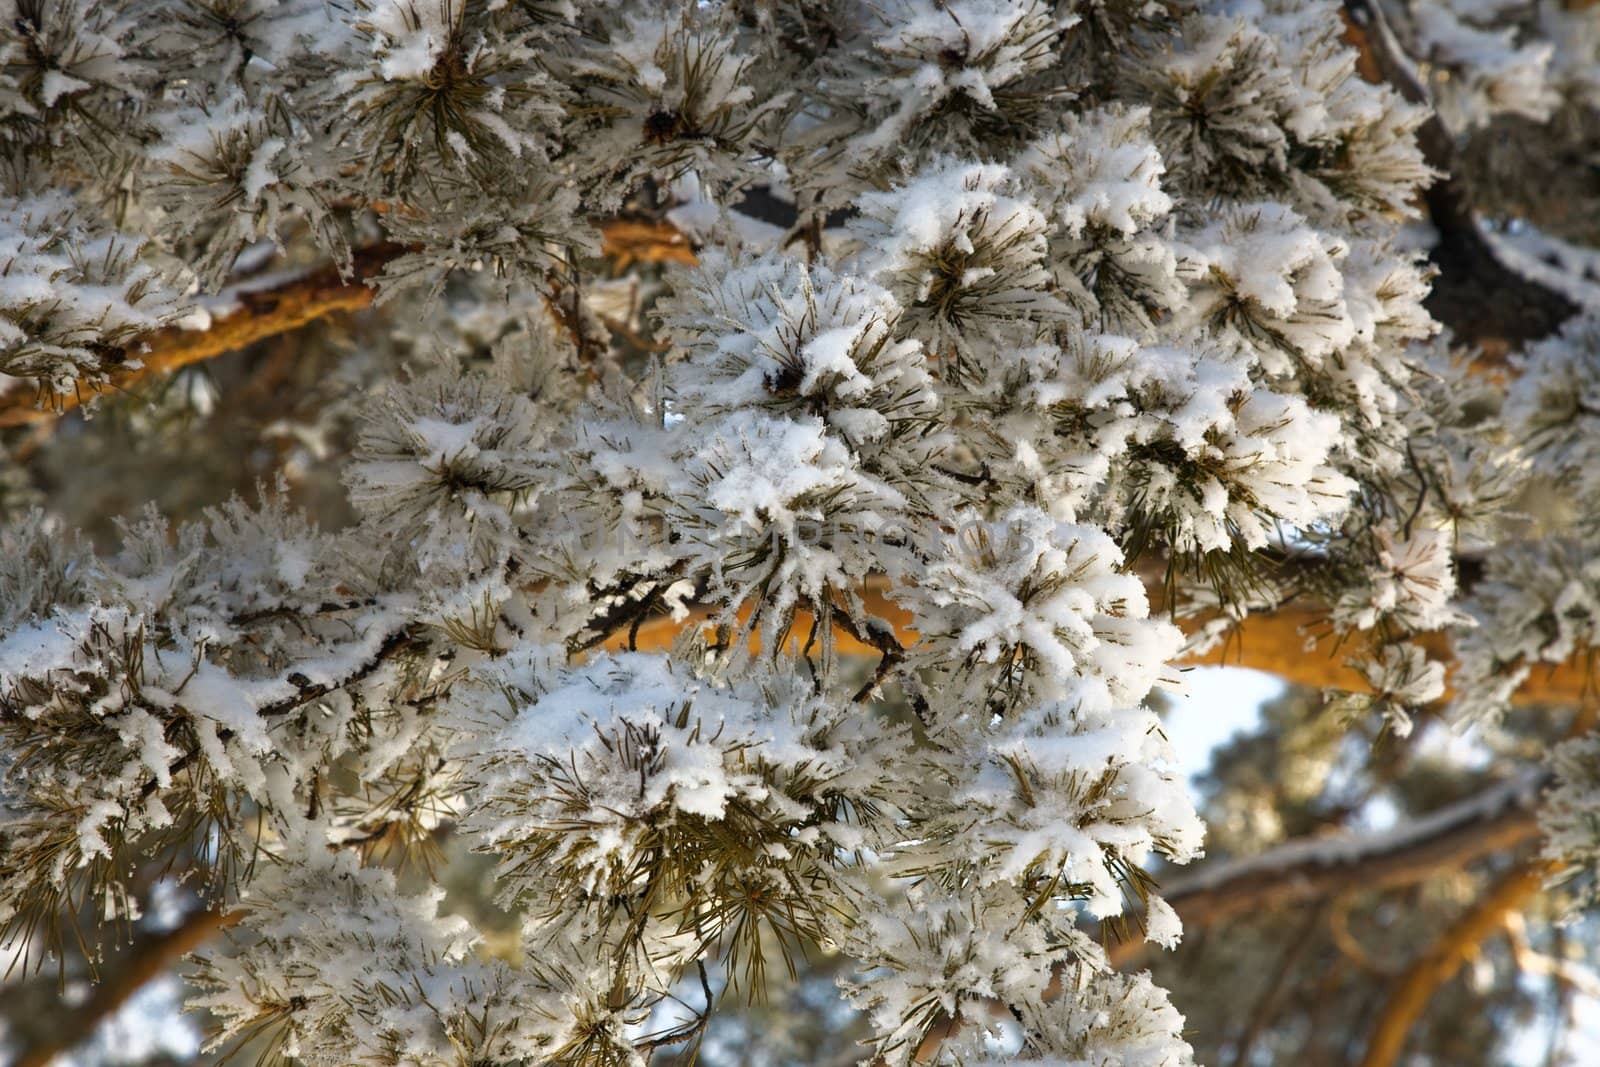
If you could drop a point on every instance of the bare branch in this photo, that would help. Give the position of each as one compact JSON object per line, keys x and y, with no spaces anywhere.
{"x":629,"y":241}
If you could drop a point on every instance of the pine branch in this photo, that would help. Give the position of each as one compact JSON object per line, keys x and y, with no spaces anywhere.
{"x":1483,"y":301}
{"x":305,"y":299}
{"x":261,"y":314}
{"x":1273,"y":642}
{"x":1444,"y":958}
{"x":1493,"y":821}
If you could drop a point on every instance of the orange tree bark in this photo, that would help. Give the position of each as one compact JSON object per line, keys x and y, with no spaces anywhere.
{"x":1444,"y":958}
{"x":259,"y":315}
{"x":1275,"y":642}
{"x":265,"y":313}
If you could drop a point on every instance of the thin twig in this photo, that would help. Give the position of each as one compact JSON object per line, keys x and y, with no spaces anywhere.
{"x":1277,"y":985}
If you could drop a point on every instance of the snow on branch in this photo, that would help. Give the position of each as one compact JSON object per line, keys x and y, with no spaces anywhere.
{"x":1494,"y":820}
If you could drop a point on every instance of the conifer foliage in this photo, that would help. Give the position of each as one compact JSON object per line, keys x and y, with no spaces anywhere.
{"x":1005,"y":313}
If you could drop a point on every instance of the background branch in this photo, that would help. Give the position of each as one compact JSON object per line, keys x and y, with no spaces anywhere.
{"x":146,"y":959}
{"x":1495,"y":820}
{"x":1318,"y":869}
{"x":1439,"y":964}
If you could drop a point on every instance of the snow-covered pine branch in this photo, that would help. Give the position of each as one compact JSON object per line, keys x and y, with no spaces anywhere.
{"x":1072,"y":290}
